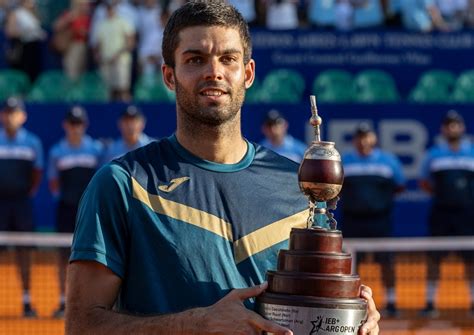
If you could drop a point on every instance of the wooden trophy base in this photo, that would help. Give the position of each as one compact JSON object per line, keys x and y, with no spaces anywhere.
{"x":313,"y":290}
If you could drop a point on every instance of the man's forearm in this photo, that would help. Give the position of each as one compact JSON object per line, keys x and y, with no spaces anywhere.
{"x":99,"y":321}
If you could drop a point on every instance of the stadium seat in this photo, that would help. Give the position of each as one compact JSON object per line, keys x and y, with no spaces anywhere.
{"x":252,"y":95}
{"x":8,"y":89}
{"x":88,"y":93}
{"x":375,"y":86}
{"x":90,"y":78}
{"x":152,"y":91}
{"x":464,"y":87}
{"x":465,"y":79}
{"x":282,"y":85}
{"x":461,"y":95}
{"x":89,"y":88}
{"x":51,"y":86}
{"x":437,"y":79}
{"x":433,"y":94}
{"x":333,"y":86}
{"x":13,"y":82}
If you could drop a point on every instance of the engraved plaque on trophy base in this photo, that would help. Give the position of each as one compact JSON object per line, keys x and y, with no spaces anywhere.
{"x":313,"y":291}
{"x":310,"y":315}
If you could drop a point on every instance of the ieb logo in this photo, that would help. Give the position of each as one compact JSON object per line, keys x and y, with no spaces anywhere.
{"x":317,"y":325}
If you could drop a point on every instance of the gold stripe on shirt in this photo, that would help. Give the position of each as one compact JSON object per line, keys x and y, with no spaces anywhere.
{"x":182,"y":212}
{"x":268,"y":236}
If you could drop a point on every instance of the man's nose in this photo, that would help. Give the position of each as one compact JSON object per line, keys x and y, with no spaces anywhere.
{"x":214,"y":70}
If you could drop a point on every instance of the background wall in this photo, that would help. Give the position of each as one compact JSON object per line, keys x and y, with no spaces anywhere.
{"x":404,"y":129}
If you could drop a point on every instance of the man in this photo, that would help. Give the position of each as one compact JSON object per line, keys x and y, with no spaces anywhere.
{"x":422,"y":16}
{"x":275,"y":129}
{"x":113,"y":50}
{"x":448,"y":176}
{"x":131,"y":125}
{"x":372,"y":178}
{"x":72,"y":163}
{"x":174,"y":228}
{"x":21,"y":165}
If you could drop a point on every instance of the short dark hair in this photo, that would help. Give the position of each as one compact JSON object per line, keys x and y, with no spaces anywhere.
{"x":452,"y":116}
{"x":203,"y":13}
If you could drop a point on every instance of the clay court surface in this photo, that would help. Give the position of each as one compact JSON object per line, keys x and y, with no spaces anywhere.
{"x":453,"y":298}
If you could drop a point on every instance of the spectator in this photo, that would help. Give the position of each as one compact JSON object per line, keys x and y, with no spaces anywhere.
{"x":171,"y":5}
{"x":368,"y":13}
{"x":115,"y":41}
{"x":72,"y":163}
{"x":321,"y":13}
{"x":247,"y":9}
{"x":282,"y":14}
{"x":275,"y":129}
{"x":21,"y":164}
{"x":71,"y":29}
{"x":469,"y":17}
{"x":447,"y":175}
{"x":422,"y":16}
{"x":150,"y":35}
{"x":24,"y":33}
{"x":344,"y":15}
{"x":372,"y":177}
{"x":453,"y":12}
{"x":131,"y":125}
{"x":124,"y":9}
{"x":392,"y":13}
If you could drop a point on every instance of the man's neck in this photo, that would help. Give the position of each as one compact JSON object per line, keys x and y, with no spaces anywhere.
{"x":11,"y":133}
{"x":277,"y":142}
{"x":74,"y":141}
{"x":217,"y":146}
{"x":130,"y":142}
{"x":454,"y":144}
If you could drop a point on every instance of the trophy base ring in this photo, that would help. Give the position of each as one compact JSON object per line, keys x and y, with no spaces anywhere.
{"x":313,"y":315}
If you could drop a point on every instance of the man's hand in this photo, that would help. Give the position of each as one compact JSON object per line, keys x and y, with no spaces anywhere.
{"x":371,"y":326}
{"x":230,"y":316}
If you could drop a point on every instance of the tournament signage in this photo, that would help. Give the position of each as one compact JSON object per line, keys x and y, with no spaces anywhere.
{"x":404,"y":54}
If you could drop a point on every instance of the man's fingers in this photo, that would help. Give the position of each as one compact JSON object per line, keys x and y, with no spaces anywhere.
{"x":370,"y":327}
{"x":366,"y":289}
{"x":269,"y":326}
{"x":372,"y":330}
{"x":246,"y":293}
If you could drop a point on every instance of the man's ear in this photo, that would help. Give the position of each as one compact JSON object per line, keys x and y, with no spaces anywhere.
{"x":168,"y":76}
{"x":249,"y":73}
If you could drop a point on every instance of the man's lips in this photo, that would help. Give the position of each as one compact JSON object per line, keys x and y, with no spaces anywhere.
{"x":212,"y":92}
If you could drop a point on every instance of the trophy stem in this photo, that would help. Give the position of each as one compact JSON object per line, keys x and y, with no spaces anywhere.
{"x":315,"y":120}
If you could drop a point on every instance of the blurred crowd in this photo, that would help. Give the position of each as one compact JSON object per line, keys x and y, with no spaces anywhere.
{"x":122,"y":38}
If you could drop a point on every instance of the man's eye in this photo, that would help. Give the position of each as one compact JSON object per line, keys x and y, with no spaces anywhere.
{"x":195,"y":60}
{"x":228,"y":59}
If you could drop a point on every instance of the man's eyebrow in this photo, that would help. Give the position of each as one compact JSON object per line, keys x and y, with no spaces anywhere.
{"x":229,"y":51}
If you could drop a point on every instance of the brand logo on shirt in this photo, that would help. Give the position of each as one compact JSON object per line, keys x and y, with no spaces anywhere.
{"x":174,"y":183}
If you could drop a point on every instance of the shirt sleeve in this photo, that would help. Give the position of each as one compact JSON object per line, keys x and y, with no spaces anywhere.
{"x":39,"y":160}
{"x":397,"y":167}
{"x":425,"y":167}
{"x":101,"y":232}
{"x":52,"y":168}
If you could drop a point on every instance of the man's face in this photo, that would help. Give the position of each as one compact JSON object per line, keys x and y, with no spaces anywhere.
{"x":275,"y":131}
{"x":365,"y":143}
{"x":74,"y":129}
{"x":12,"y":120}
{"x":131,"y":127}
{"x":209,"y":77}
{"x":453,"y":131}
